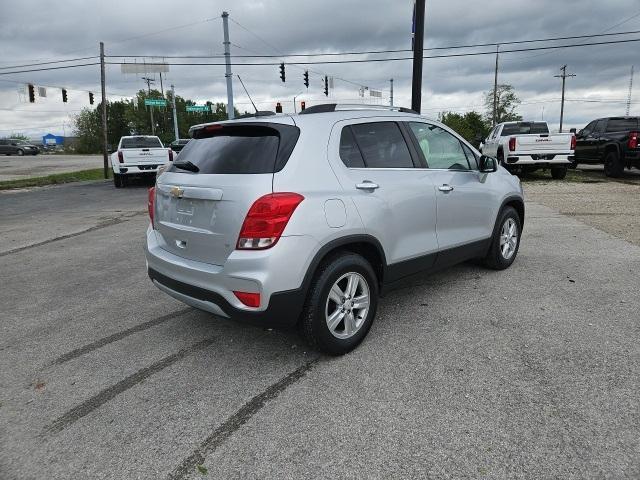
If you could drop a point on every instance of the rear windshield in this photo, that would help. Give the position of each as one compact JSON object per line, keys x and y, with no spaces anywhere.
{"x":240,"y":149}
{"x":622,"y":124}
{"x":141,"y":142}
{"x":524,"y":128}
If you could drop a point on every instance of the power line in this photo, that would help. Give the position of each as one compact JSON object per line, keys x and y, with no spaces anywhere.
{"x":48,"y":63}
{"x":49,"y":68}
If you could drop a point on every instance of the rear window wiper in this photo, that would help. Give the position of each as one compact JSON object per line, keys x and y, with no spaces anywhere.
{"x":187,"y":165}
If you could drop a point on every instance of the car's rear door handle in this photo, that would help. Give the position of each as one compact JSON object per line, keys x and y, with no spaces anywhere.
{"x":367,"y":185}
{"x":445,"y":188}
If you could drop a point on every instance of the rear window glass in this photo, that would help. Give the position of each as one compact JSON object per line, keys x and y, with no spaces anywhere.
{"x":141,"y":142}
{"x":622,"y":124}
{"x":382,"y":145}
{"x":524,"y":128}
{"x":240,"y":149}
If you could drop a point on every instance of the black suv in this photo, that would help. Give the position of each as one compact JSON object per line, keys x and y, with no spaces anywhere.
{"x":612,"y":141}
{"x":13,"y":146}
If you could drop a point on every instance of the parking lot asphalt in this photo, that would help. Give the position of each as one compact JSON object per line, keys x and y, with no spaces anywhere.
{"x":532,"y":372}
{"x":14,"y":167}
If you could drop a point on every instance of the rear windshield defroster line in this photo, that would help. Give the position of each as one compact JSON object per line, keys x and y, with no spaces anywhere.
{"x":246,"y":148}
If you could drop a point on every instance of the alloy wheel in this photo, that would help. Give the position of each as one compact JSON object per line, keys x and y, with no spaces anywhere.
{"x":508,"y":238}
{"x":347,"y":305}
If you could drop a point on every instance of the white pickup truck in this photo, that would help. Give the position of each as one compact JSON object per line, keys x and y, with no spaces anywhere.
{"x":523,"y":147}
{"x":138,"y":155}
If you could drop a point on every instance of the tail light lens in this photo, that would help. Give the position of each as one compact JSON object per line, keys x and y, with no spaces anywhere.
{"x":170,"y":155}
{"x":573,"y":142}
{"x":633,"y":140}
{"x":248,"y":299}
{"x":266,"y":220}
{"x":151,"y":205}
{"x":512,"y":144}
{"x":120,"y":156}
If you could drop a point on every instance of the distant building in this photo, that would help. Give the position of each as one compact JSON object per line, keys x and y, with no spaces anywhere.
{"x":53,"y":140}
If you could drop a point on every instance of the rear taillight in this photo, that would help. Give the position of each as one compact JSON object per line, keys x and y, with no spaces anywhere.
{"x":573,"y":142}
{"x":170,"y":155}
{"x":120,"y":156}
{"x":151,"y":205}
{"x":266,"y":220}
{"x":512,"y":144}
{"x":633,"y":140}
{"x":248,"y":299}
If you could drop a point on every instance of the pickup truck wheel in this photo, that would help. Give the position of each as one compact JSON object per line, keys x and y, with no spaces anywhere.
{"x":341,"y":304}
{"x":506,"y":240}
{"x":612,"y":165}
{"x":558,"y":173}
{"x":118,"y":180}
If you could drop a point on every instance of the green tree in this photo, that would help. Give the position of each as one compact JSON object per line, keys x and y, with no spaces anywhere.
{"x":16,"y":136}
{"x":507,"y":102}
{"x":471,"y":125}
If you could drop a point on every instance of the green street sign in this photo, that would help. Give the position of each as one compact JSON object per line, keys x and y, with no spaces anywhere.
{"x":198,"y":108}
{"x":155,"y":102}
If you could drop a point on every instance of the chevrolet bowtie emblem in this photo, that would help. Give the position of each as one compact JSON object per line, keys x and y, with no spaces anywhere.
{"x":176,"y":192}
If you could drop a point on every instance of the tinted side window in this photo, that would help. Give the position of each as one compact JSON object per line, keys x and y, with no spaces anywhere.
{"x":622,"y":124}
{"x":382,"y":145}
{"x":349,"y":151}
{"x":439,"y":147}
{"x":589,"y":128}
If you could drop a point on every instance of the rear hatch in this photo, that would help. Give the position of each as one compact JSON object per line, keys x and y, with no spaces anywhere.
{"x":200,"y":207}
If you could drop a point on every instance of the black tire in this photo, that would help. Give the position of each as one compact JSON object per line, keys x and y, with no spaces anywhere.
{"x":118,"y":180}
{"x":558,"y":173}
{"x":612,"y":165}
{"x":20,"y":152}
{"x":500,"y":156}
{"x":313,"y":321}
{"x":495,"y":258}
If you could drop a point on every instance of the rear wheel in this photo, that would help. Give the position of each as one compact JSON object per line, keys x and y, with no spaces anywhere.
{"x":612,"y":165}
{"x":341,"y":304}
{"x":558,"y":173}
{"x":506,"y":240}
{"x":119,"y":180}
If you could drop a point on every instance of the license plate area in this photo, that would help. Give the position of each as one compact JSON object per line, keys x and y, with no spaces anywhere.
{"x":185,"y":206}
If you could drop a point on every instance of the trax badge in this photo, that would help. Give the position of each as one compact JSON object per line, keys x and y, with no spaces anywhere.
{"x":176,"y":192}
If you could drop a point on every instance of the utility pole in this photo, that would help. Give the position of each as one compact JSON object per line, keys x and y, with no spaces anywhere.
{"x":149,"y":82}
{"x":391,"y":92}
{"x":494,"y":117}
{"x":418,"y":47}
{"x":630,"y":92}
{"x":103,"y":85}
{"x":175,"y":113}
{"x":227,"y":61}
{"x":563,"y":76}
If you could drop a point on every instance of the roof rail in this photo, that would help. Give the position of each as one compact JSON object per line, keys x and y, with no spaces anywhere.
{"x":261,"y":113}
{"x":334,"y":107}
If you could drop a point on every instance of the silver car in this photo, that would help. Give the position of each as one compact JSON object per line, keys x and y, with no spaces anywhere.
{"x":305,"y":220}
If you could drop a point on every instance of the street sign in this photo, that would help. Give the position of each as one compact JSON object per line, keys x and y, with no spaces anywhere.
{"x":198,"y":108}
{"x":155,"y":102}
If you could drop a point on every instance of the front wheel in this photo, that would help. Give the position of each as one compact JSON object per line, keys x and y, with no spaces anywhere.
{"x":558,"y":173}
{"x":20,"y":153}
{"x":341,"y":304}
{"x":506,"y":240}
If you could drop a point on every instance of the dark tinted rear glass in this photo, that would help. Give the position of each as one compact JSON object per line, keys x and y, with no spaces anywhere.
{"x":141,"y":142}
{"x":622,"y":124}
{"x":382,"y":145}
{"x":524,"y":128}
{"x":240,"y":149}
{"x":349,"y":151}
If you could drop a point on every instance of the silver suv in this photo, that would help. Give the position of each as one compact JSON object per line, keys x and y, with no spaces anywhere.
{"x":304,"y":220}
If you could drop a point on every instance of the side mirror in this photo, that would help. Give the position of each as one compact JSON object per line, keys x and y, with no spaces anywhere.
{"x":487,"y":164}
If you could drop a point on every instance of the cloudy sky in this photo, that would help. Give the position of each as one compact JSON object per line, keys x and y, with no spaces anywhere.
{"x":38,"y":31}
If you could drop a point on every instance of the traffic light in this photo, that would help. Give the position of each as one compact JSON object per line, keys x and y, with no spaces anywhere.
{"x":282,"y":76}
{"x":278,"y":107}
{"x":326,"y":86}
{"x":64,"y":95}
{"x":303,"y":105}
{"x":32,"y":93}
{"x":306,"y":78}
{"x":90,"y":98}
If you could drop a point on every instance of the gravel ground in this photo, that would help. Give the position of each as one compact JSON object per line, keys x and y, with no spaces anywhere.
{"x":612,"y":206}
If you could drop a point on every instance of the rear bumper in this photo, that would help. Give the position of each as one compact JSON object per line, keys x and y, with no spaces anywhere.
{"x":136,"y":169}
{"x":516,"y":159}
{"x":277,"y":274}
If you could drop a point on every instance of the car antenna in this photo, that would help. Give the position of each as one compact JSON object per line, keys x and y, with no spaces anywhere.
{"x":245,"y":89}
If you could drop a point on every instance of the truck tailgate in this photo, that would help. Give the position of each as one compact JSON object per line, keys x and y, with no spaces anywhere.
{"x":544,"y":143}
{"x":145,"y":155}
